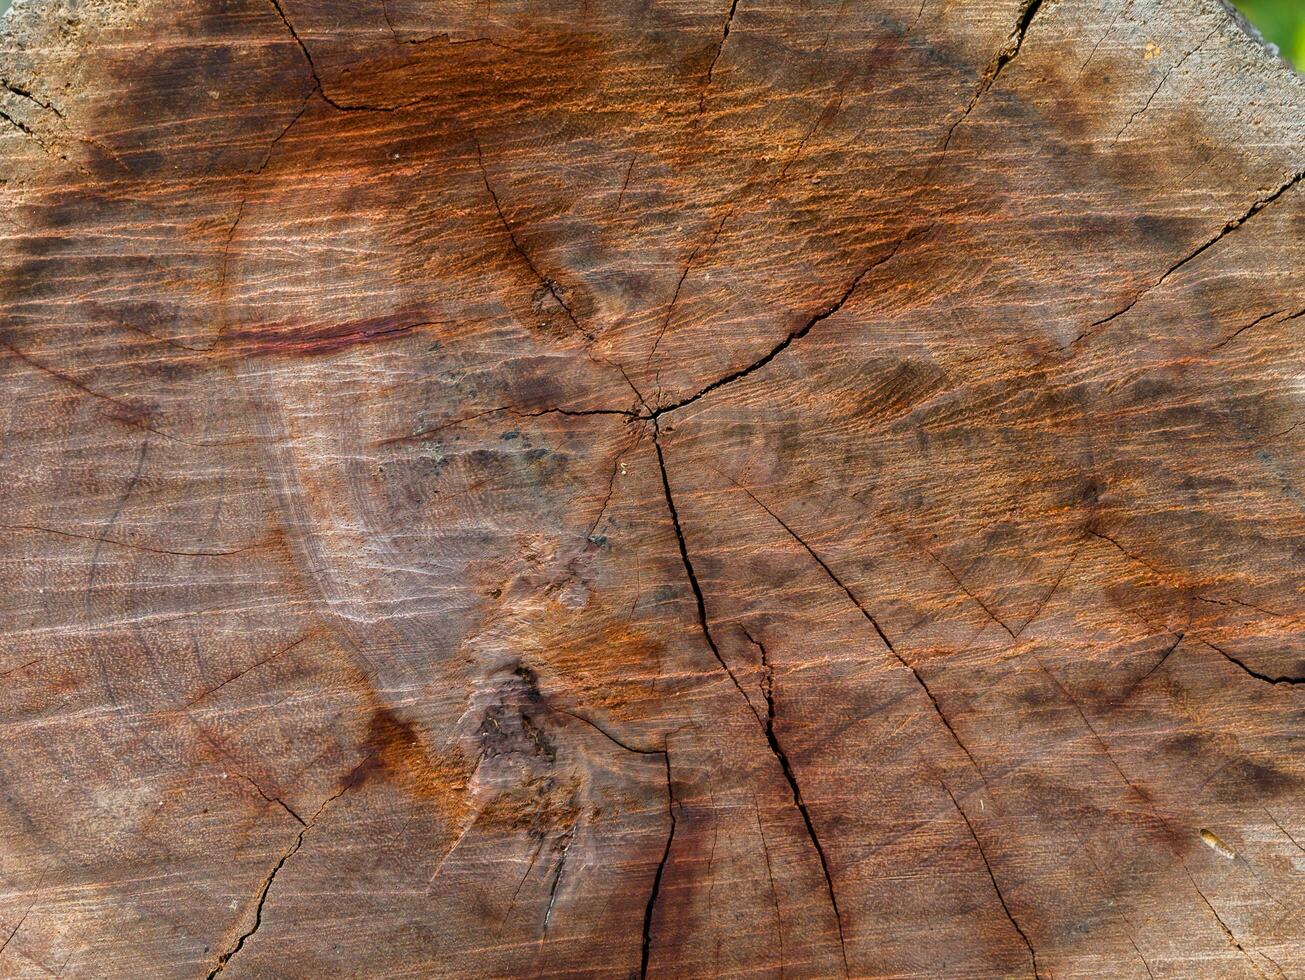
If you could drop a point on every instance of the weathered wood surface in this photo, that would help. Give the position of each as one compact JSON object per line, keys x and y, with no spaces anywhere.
{"x":548,"y":488}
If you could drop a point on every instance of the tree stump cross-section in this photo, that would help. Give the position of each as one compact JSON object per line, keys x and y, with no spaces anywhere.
{"x":795,"y":489}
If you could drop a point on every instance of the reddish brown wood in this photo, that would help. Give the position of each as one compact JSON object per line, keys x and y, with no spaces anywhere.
{"x":556,"y":488}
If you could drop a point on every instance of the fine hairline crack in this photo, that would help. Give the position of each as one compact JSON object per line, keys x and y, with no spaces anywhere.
{"x":720,"y":47}
{"x":547,"y":284}
{"x":1033,"y":956}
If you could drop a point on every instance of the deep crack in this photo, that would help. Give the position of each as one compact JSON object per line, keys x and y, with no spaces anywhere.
{"x":24,"y":93}
{"x":768,"y":691}
{"x":1259,"y":676}
{"x":869,"y":617}
{"x":1014,"y":41}
{"x":650,"y":908}
{"x":711,"y":68}
{"x":767,"y":723}
{"x":23,"y":128}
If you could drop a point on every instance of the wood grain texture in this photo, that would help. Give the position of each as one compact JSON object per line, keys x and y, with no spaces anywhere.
{"x":794,"y":489}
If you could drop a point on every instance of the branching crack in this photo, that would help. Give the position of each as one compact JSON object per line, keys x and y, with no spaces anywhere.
{"x":650,"y":908}
{"x":273,"y":799}
{"x":888,"y":644}
{"x":290,"y":852}
{"x":767,"y":681}
{"x":1266,"y":678}
{"x":1033,"y":956}
{"x":1256,"y":207}
{"x":768,"y":692}
{"x":649,"y":414}
{"x":766,"y":722}
{"x":317,"y":78}
{"x":31,"y":134}
{"x":797,"y":334}
{"x":1096,"y":736}
{"x":47,"y":147}
{"x":549,"y":285}
{"x":699,"y":599}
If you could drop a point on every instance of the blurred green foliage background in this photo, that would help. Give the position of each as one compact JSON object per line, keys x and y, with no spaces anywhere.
{"x":1280,"y":21}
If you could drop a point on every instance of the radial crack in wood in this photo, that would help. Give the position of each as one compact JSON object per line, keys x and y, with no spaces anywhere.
{"x":650,"y":489}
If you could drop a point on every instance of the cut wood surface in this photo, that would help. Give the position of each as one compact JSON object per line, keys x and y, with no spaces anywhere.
{"x":549,"y":488}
